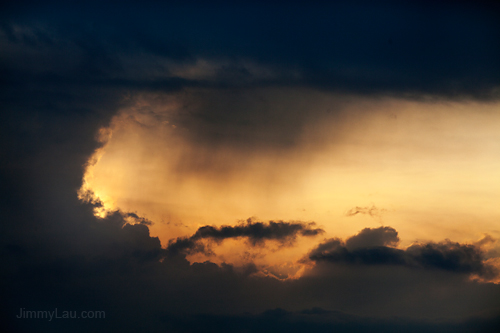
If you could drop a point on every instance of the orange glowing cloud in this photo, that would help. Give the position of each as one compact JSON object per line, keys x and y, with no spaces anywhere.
{"x":429,"y":169}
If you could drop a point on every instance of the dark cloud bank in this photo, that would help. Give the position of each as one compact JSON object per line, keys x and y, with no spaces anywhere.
{"x":256,"y":232}
{"x":374,"y":247}
{"x":64,"y":70}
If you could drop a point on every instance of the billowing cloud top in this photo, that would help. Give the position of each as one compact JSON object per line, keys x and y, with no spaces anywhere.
{"x":376,"y":247}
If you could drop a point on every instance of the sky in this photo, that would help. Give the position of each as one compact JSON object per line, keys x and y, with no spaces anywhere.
{"x":250,"y":166}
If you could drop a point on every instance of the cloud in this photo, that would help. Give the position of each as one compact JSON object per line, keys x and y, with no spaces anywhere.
{"x":322,"y":320}
{"x":383,"y":236}
{"x":65,"y":70}
{"x":138,"y":219}
{"x":361,"y":48}
{"x":375,"y":247}
{"x":255,"y":232}
{"x":371,"y":211}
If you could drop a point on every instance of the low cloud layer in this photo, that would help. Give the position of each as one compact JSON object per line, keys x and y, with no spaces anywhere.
{"x":255,"y":232}
{"x":321,"y":320}
{"x":376,"y":247}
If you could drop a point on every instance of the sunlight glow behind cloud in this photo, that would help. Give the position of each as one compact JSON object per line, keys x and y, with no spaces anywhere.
{"x":433,"y":168}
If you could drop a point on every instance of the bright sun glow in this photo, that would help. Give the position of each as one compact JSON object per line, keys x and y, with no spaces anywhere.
{"x":430,"y":170}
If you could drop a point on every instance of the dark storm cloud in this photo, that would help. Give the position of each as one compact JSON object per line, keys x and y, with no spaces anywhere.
{"x":413,"y":48}
{"x":64,"y":72}
{"x":255,"y":232}
{"x":374,"y":247}
{"x":228,"y":51}
{"x":321,"y":320}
